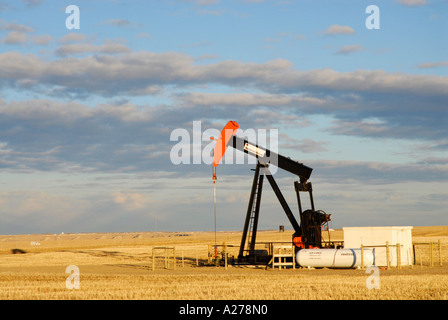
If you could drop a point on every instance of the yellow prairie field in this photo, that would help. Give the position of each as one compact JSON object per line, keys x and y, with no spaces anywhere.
{"x":120,"y":266}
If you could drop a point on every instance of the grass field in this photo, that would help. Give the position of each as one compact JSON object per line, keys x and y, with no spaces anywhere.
{"x":119,"y":266}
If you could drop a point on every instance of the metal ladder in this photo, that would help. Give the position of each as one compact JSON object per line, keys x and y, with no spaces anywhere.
{"x":253,"y":222}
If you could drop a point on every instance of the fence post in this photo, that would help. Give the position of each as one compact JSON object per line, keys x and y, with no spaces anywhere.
{"x":225,"y":260}
{"x":440,"y":254}
{"x":209,"y":256}
{"x":174,"y":258}
{"x":413,"y":254}
{"x":398,"y":256}
{"x":387,"y":254}
{"x":362,"y":256}
{"x":153,"y":260}
{"x":293,"y":257}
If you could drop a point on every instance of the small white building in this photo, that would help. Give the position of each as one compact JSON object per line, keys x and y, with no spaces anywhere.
{"x":354,"y":237}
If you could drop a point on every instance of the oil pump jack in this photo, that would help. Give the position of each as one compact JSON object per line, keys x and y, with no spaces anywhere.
{"x":308,"y":233}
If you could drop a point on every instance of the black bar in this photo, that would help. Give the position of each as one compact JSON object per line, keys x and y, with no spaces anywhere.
{"x":276,"y":159}
{"x":296,"y":186}
{"x":311,"y":199}
{"x":257,"y":212}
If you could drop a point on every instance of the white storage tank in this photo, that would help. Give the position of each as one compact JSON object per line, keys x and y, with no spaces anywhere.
{"x":335,"y":258}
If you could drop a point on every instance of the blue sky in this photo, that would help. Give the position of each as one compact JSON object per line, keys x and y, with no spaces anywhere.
{"x":86,"y":114}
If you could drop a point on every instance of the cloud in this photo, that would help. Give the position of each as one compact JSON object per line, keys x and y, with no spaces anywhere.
{"x":108,"y":47}
{"x":124,"y":137}
{"x":247,"y":99}
{"x":130,"y":200}
{"x":50,"y":212}
{"x":367,"y":81}
{"x":43,"y":39}
{"x":401,"y":101}
{"x":72,"y":37}
{"x":42,"y":211}
{"x":349,"y":49}
{"x":305,"y":145}
{"x":106,"y":138}
{"x":412,"y":3}
{"x":338,"y":29}
{"x":198,"y":6}
{"x":346,"y":171}
{"x":211,"y":12}
{"x":15,"y":27}
{"x":116,"y":74}
{"x":19,"y":34}
{"x":118,"y":22}
{"x":15,"y":37}
{"x":27,"y":203}
{"x":285,"y":35}
{"x":430,"y":65}
{"x":143,"y":35}
{"x":32,"y":3}
{"x":206,"y":2}
{"x":21,"y":38}
{"x":5,"y":7}
{"x":47,"y":135}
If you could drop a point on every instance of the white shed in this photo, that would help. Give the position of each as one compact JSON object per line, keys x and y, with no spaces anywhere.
{"x":378,"y":236}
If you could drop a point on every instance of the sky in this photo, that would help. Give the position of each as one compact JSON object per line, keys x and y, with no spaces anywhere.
{"x":92,"y":101}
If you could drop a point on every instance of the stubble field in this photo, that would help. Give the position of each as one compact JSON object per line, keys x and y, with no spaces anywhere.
{"x":120,"y":266}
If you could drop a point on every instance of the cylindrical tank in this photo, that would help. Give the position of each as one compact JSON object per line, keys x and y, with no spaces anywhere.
{"x":334,"y":258}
